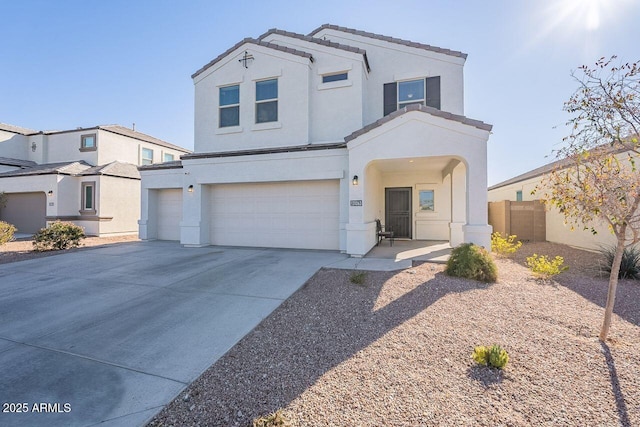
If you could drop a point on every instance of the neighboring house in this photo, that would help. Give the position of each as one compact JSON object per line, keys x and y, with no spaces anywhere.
{"x":87,"y":175}
{"x":520,"y":188}
{"x":302,"y":141}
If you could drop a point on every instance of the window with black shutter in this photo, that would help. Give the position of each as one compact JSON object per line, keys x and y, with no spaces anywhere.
{"x":400,"y":94}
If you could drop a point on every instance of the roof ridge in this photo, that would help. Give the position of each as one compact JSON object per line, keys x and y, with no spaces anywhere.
{"x":417,"y":107}
{"x":390,"y":39}
{"x":257,"y":42}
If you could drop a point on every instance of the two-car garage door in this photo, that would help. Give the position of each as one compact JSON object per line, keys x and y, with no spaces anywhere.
{"x":303,"y":215}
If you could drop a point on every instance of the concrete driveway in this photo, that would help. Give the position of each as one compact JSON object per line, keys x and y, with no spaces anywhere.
{"x":110,"y":335}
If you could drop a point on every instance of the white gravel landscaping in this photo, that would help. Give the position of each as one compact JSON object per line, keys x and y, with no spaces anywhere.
{"x":397,"y":350}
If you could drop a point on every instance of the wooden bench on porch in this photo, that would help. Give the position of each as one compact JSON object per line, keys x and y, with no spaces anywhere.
{"x":382,"y":234}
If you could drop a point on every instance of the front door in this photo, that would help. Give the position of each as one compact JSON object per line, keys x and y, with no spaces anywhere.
{"x":398,"y":211}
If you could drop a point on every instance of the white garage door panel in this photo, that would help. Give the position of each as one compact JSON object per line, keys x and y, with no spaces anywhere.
{"x":302,"y":215}
{"x":169,"y":213}
{"x":27,"y":211}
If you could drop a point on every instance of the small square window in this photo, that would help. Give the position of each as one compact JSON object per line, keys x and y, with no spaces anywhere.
{"x":147,"y":156}
{"x":267,"y":101}
{"x":88,"y":142}
{"x":427,"y":200}
{"x":335,"y":77}
{"x":168,"y":157}
{"x":229,"y":100}
{"x":411,"y":92}
{"x":88,"y":198}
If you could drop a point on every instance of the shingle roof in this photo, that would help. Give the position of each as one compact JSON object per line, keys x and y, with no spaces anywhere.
{"x":17,"y":129}
{"x":319,"y":41}
{"x":121,"y":130}
{"x":16,"y":162}
{"x":117,"y":169}
{"x":258,"y":151}
{"x":63,"y":168}
{"x":389,"y":39}
{"x":417,"y":107}
{"x":176,"y":164}
{"x":257,"y":43}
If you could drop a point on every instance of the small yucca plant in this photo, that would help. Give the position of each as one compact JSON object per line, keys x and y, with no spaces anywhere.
{"x":629,"y":266}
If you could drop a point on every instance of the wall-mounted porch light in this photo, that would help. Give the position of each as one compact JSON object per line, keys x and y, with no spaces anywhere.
{"x":355,"y":180}
{"x":50,"y":193}
{"x":190,"y":189}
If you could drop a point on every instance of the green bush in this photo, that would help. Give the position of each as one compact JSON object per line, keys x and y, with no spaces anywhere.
{"x":504,"y":246}
{"x":357,"y":277}
{"x":59,"y":235}
{"x":629,"y":266}
{"x":494,"y":356}
{"x":6,"y":232}
{"x":545,"y":268}
{"x":472,"y":262}
{"x":276,"y":419}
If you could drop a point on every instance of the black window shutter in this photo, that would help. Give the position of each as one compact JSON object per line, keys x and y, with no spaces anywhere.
{"x":433,"y":92}
{"x":390,"y":98}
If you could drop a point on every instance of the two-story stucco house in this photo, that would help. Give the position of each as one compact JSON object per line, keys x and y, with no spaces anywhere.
{"x":88,"y":176}
{"x":303,"y":141}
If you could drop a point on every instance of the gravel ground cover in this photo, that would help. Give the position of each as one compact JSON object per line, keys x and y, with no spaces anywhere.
{"x":20,"y":250}
{"x":396,"y":351}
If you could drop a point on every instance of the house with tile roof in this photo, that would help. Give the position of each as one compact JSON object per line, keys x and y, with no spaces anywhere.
{"x":303,"y":141}
{"x":87,"y":175}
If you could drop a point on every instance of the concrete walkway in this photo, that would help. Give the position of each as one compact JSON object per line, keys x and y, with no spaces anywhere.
{"x":400,"y":256}
{"x":110,"y":335}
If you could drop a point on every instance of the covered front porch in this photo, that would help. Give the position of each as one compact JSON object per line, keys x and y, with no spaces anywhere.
{"x":423,"y":173}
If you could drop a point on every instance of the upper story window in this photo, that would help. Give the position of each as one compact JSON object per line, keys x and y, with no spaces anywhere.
{"x":168,"y":157}
{"x":147,"y":156}
{"x":334,"y":77}
{"x":519,"y":196}
{"x":421,"y":91}
{"x":267,"y":101}
{"x":229,"y":106}
{"x":88,"y":142}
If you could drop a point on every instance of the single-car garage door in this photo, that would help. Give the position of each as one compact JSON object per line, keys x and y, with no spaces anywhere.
{"x":169,"y":213}
{"x":304,"y":214}
{"x":26,"y":211}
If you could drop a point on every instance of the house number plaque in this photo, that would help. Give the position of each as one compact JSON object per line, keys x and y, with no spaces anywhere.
{"x":355,"y":202}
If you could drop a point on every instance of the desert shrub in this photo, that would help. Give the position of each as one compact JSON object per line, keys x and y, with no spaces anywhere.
{"x":629,"y":266}
{"x":545,"y":268}
{"x":472,"y":262}
{"x":59,"y":235}
{"x":494,"y":356}
{"x":276,"y":419}
{"x":504,"y":246}
{"x":6,"y":232}
{"x":357,"y":277}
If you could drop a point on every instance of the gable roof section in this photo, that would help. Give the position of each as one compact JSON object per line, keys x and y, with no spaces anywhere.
{"x":121,"y":130}
{"x":389,"y":39}
{"x":257,"y":43}
{"x":17,"y":129}
{"x":318,"y":41}
{"x":64,"y":168}
{"x":115,"y":169}
{"x":8,"y":161}
{"x":417,"y":107}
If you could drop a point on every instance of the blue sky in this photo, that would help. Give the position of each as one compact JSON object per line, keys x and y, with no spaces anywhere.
{"x":82,"y":63}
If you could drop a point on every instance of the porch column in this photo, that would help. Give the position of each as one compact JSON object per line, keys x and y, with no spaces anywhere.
{"x":458,"y":204}
{"x":477,"y":230}
{"x":147,"y":224}
{"x":194,"y":227}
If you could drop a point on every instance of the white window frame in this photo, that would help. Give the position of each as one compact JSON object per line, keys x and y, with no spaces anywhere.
{"x":143,"y":159}
{"x":268,"y":100}
{"x":421,"y":101}
{"x":164,"y":157}
{"x":228,"y":106}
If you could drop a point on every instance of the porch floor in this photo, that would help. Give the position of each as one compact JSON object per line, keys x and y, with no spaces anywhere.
{"x":415,"y":250}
